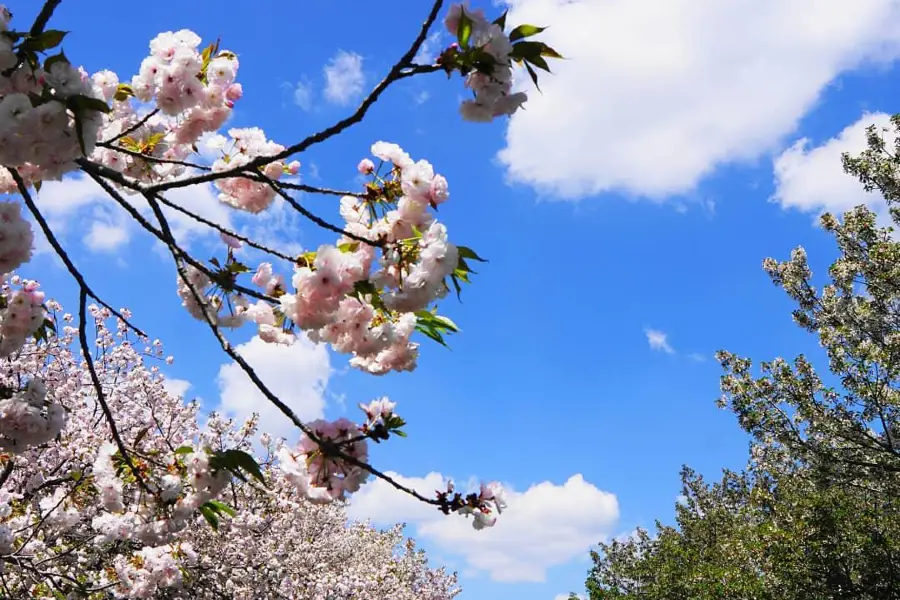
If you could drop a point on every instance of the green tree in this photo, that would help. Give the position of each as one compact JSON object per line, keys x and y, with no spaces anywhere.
{"x":815,"y":513}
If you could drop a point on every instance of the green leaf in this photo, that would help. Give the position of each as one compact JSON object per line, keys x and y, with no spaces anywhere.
{"x":46,"y":40}
{"x":237,"y":461}
{"x":528,"y":50}
{"x":466,"y":252}
{"x":123,"y":92}
{"x":87,"y":103}
{"x":539,"y":62}
{"x":464,"y":31}
{"x":446,"y":323}
{"x":456,"y":285}
{"x":237,"y":267}
{"x":210,"y":515}
{"x":550,"y":52}
{"x":524,"y":31}
{"x":37,"y":185}
{"x":533,"y":75}
{"x":501,"y":20}
{"x":220,"y":508}
{"x":79,"y":131}
{"x":56,"y":58}
{"x":184,"y":450}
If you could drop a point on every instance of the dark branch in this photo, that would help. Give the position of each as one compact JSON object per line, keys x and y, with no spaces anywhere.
{"x":40,"y":22}
{"x":60,"y":251}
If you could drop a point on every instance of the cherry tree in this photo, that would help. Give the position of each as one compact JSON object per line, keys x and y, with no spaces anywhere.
{"x":107,"y":478}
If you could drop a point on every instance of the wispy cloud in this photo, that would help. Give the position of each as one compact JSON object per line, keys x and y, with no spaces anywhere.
{"x":344,"y":77}
{"x":303,"y":95}
{"x":658,"y":340}
{"x":428,"y":51}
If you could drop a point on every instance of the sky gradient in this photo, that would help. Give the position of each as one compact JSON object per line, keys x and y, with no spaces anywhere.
{"x":625,"y":214}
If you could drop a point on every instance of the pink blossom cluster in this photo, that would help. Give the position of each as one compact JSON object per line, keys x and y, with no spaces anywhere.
{"x":28,"y":419}
{"x":490,"y":503}
{"x":151,"y":570}
{"x":194,"y":92}
{"x":22,"y":314}
{"x":361,"y":295}
{"x":16,"y":237}
{"x":242,"y":192}
{"x":40,"y":138}
{"x":223,"y":311}
{"x":317,"y":472}
{"x":374,"y":325}
{"x":493,"y":91}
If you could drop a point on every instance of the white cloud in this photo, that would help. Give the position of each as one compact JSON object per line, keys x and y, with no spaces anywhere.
{"x":421,"y":97}
{"x":428,"y":51}
{"x":655,"y":94}
{"x":697,"y":357}
{"x":106,"y":237}
{"x":344,"y":78}
{"x":303,"y":95}
{"x":813,"y":180}
{"x":79,"y":203}
{"x":544,"y":526}
{"x":567,"y":596}
{"x":177,"y":387}
{"x":658,"y":340}
{"x":296,"y":374}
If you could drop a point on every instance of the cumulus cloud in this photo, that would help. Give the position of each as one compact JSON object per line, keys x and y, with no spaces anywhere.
{"x":297,"y":374}
{"x":655,"y":94}
{"x":177,"y":387}
{"x":544,"y":526}
{"x":79,"y":203}
{"x":344,"y":77}
{"x":658,"y":340}
{"x":811,"y":179}
{"x":106,"y":237}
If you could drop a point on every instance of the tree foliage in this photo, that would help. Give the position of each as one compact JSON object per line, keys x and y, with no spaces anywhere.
{"x":815,"y":513}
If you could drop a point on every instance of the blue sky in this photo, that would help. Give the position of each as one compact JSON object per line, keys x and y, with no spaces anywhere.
{"x":681,"y":144}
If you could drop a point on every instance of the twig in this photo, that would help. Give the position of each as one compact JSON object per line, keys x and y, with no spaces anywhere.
{"x":98,"y":387}
{"x":37,"y":28}
{"x":301,"y":187}
{"x":169,"y":240}
{"x":154,"y":159}
{"x":402,"y":68}
{"x":318,"y":220}
{"x":147,"y":226}
{"x":225,"y":230}
{"x":131,"y":129}
{"x":60,"y":251}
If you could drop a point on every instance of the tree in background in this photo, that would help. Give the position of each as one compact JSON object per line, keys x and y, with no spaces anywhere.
{"x":76,"y":521}
{"x":815,"y":514}
{"x":105,"y":477}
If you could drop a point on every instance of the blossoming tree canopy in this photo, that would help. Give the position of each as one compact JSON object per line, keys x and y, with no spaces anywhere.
{"x":106,"y":478}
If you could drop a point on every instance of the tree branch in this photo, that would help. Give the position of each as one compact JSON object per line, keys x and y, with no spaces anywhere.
{"x":403,"y":68}
{"x":60,"y":251}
